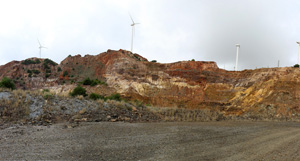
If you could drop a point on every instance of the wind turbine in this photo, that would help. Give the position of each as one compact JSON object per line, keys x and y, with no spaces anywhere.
{"x":237,"y":56}
{"x":133,"y":30}
{"x":41,"y":48}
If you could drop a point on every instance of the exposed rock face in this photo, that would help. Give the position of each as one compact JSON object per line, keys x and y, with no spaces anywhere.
{"x":189,"y":84}
{"x":31,"y":73}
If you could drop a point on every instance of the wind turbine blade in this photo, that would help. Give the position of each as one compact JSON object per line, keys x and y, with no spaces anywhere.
{"x":131,"y":18}
{"x":39,"y":42}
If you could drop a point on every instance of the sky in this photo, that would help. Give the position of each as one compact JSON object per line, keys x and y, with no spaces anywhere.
{"x":169,"y":30}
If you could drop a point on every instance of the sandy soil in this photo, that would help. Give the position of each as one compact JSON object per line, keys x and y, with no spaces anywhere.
{"x":153,"y":141}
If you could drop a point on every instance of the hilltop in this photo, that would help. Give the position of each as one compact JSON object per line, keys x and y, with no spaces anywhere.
{"x":261,"y":93}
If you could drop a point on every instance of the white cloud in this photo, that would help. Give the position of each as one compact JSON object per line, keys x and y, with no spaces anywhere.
{"x":170,"y":30}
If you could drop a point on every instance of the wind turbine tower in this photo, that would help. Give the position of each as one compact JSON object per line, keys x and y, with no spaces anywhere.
{"x":298,"y":51}
{"x":133,"y":31}
{"x":40,"y":47}
{"x":237,"y":56}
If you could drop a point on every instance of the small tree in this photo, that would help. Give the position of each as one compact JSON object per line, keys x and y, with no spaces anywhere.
{"x":78,"y":91}
{"x":95,"y":96}
{"x":296,"y":66}
{"x":193,"y":59}
{"x":7,"y":83}
{"x":116,"y":97}
{"x":87,"y":81}
{"x":65,"y":73}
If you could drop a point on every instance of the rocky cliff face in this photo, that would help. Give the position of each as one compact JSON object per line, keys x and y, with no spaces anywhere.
{"x":272,"y":92}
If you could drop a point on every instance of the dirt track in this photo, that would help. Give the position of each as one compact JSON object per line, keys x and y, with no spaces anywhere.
{"x":153,"y":141}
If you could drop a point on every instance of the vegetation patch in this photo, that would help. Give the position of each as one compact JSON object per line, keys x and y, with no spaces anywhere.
{"x":95,"y":96}
{"x":91,"y":82}
{"x":65,"y":73}
{"x":7,"y":83}
{"x":29,"y":61}
{"x":78,"y":91}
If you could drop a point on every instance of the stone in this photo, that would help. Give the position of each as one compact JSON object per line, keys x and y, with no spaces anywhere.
{"x":83,"y":111}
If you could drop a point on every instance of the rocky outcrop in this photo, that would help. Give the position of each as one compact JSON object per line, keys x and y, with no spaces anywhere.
{"x":271,"y":92}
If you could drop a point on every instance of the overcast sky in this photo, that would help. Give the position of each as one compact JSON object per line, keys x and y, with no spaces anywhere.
{"x":170,"y":30}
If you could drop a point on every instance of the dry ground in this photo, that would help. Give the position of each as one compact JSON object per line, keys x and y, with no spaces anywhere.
{"x":227,"y":140}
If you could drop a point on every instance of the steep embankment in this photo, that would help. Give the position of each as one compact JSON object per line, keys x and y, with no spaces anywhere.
{"x":271,"y":92}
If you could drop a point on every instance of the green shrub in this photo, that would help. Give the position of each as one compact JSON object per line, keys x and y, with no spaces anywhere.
{"x":46,"y":66}
{"x":47,"y":75}
{"x":29,"y":61}
{"x":36,"y":71}
{"x":59,"y":69}
{"x":296,"y":66}
{"x":48,"y":61}
{"x":94,"y":83}
{"x":78,"y":91}
{"x":48,"y":96}
{"x":48,"y":70}
{"x":29,"y":71}
{"x":87,"y":81}
{"x":46,"y":90}
{"x":116,"y":97}
{"x":136,"y":56}
{"x":65,"y":73}
{"x":193,"y":59}
{"x":7,"y":83}
{"x":154,"y":61}
{"x":96,"y":96}
{"x":37,"y":61}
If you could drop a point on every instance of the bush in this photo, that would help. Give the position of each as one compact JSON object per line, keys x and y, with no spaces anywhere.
{"x":65,"y":73}
{"x":29,"y":61}
{"x":116,"y":97}
{"x":95,"y":96}
{"x":296,"y":66}
{"x":46,"y":90}
{"x":59,"y":69}
{"x":36,"y":71}
{"x":47,"y":75}
{"x":154,"y":61}
{"x":78,"y":91}
{"x":91,"y":82}
{"x":193,"y":59}
{"x":87,"y":81}
{"x":48,"y":96}
{"x":48,"y":61}
{"x":37,"y":61}
{"x":94,"y":83}
{"x":48,"y":70}
{"x":7,"y":83}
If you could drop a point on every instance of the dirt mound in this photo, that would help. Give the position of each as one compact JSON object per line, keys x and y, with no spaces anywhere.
{"x":270,"y":92}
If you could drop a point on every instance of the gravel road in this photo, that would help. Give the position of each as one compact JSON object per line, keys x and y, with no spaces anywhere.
{"x":227,"y":140}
